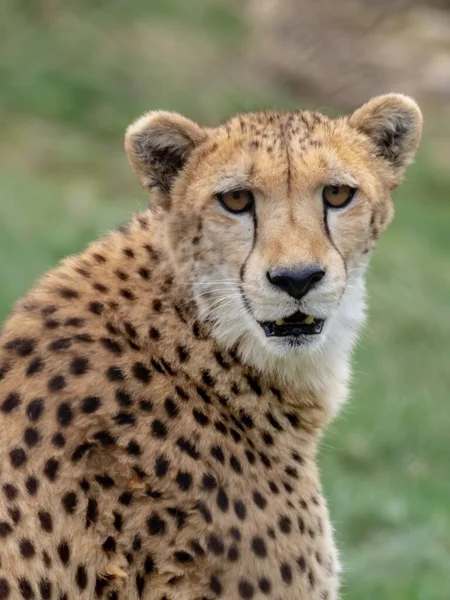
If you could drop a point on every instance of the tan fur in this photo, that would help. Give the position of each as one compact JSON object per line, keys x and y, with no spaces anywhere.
{"x":154,"y":444}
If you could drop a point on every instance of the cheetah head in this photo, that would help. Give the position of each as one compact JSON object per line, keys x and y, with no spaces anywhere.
{"x":271,"y":217}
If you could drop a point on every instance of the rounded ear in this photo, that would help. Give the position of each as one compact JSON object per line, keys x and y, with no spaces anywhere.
{"x":158,"y":146}
{"x":394,"y":124}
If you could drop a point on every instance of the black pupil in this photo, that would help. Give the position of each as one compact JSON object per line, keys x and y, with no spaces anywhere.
{"x":236,"y":195}
{"x":335,"y":190}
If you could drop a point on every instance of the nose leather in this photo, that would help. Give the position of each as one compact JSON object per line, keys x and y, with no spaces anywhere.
{"x":296,"y":282}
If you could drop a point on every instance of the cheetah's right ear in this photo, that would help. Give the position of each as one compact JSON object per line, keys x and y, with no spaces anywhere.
{"x":158,"y":146}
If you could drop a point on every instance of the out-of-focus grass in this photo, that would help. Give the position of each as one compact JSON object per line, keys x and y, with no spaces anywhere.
{"x":73,"y":76}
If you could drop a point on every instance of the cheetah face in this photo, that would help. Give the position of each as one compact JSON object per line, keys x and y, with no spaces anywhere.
{"x":271,"y":217}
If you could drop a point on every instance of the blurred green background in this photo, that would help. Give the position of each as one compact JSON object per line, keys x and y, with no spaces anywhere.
{"x":73,"y":75}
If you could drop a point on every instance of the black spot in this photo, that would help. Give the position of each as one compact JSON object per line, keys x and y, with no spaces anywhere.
{"x":215,"y":545}
{"x":265,"y":585}
{"x":203,"y":395}
{"x":64,"y":414}
{"x":85,"y":338}
{"x":273,"y":421}
{"x":5,"y":529}
{"x":144,"y":273}
{"x":171,"y":407}
{"x":90,"y":404}
{"x":188,"y":448}
{"x":111,"y":345}
{"x":74,"y":322}
{"x":56,"y":383}
{"x":81,"y":577}
{"x":15,"y":514}
{"x":25,"y":589}
{"x":109,"y":545}
{"x":184,"y":480}
{"x":35,"y":366}
{"x":32,"y":485}
{"x":246,"y":589}
{"x":301,"y":563}
{"x":133,"y":448}
{"x":200,"y":417}
{"x":215,"y":586}
{"x":219,"y":426}
{"x":222,"y":500}
{"x":259,"y":547}
{"x":4,"y":589}
{"x":45,"y":589}
{"x":253,"y":383}
{"x":22,"y":346}
{"x":233,"y":554}
{"x":149,"y":564}
{"x":207,"y":378}
{"x":96,"y":308}
{"x":235,"y":464}
{"x":80,"y":451}
{"x":127,"y":294}
{"x":221,"y":361}
{"x":60,"y":344}
{"x":125,"y":498}
{"x":183,"y":353}
{"x":161,"y":466}
{"x":246,"y":420}
{"x":240,"y":510}
{"x":79,"y":366}
{"x":235,"y":534}
{"x":250,"y":457}
{"x":11,"y":402}
{"x":259,"y":500}
{"x":267,"y":438}
{"x":105,"y":481}
{"x":31,"y":437}
{"x":217,"y":453}
{"x":183,"y":557}
{"x":46,"y":521}
{"x":35,"y":409}
{"x":140,"y":585}
{"x":159,"y":430}
{"x":91,"y":512}
{"x":115,"y":374}
{"x":209,"y":481}
{"x":118,"y":521}
{"x":27,"y":549}
{"x":156,"y":525}
{"x":154,"y":334}
{"x":64,"y":553}
{"x":204,"y":511}
{"x":125,"y":418}
{"x":18,"y":457}
{"x":10,"y":491}
{"x":69,"y":502}
{"x":123,"y":398}
{"x":293,"y":419}
{"x":286,"y":573}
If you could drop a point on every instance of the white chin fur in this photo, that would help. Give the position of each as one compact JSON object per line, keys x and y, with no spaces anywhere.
{"x":321,"y":365}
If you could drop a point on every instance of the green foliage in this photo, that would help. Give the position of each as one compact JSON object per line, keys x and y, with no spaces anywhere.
{"x":73,"y":76}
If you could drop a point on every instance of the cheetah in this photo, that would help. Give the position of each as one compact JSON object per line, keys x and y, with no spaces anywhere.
{"x":163,"y":393}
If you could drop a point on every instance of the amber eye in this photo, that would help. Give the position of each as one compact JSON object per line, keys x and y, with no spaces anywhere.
{"x":237,"y":201}
{"x":337,"y":196}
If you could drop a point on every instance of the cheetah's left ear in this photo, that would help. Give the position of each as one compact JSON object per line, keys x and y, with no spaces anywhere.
{"x":394,"y":123}
{"x":158,"y":146}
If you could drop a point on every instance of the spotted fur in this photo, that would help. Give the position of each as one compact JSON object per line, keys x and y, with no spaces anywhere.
{"x":153,"y":443}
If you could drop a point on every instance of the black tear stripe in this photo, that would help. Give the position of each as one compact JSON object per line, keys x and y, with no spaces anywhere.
{"x":244,"y":264}
{"x":328,"y":233}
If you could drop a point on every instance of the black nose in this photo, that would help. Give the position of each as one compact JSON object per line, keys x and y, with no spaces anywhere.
{"x":296,"y":282}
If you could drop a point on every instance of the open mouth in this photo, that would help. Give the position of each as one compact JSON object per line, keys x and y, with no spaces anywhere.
{"x":296,"y":325}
